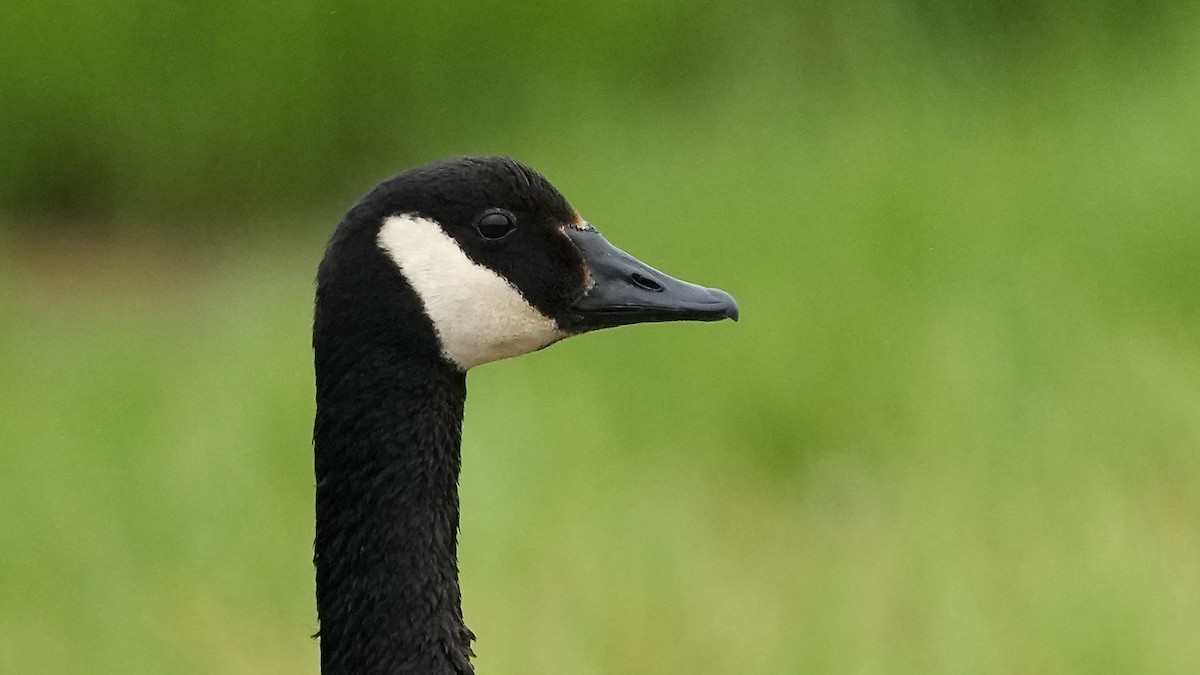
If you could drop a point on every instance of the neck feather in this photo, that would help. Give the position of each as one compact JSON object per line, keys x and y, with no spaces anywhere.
{"x":387,"y":444}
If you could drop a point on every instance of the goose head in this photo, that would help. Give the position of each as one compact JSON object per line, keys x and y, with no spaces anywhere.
{"x":497,"y":262}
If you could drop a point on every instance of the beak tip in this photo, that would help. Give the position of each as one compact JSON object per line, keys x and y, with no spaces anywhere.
{"x":731,"y":306}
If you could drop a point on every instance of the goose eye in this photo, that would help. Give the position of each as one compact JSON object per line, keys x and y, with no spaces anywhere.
{"x":495,"y":224}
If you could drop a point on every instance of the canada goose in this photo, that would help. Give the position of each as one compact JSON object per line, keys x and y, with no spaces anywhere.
{"x":436,"y":270}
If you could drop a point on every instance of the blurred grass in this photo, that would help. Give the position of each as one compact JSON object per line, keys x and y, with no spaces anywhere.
{"x":956,"y":430}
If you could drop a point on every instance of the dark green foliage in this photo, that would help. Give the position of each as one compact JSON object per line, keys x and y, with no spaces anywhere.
{"x":215,"y":108}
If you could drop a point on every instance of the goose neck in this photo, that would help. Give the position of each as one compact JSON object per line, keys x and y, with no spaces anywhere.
{"x":387,"y":444}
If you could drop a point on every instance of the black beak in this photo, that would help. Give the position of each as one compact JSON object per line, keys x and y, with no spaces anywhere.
{"x":625,"y":290}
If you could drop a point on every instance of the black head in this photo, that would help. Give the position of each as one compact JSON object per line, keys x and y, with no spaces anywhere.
{"x":497,"y":261}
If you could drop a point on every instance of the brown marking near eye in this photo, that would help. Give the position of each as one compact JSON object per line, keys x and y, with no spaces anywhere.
{"x":583,"y":226}
{"x":587,"y":276}
{"x":578,"y":223}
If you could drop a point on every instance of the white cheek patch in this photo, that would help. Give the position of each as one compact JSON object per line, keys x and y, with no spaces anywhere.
{"x":478,"y":315}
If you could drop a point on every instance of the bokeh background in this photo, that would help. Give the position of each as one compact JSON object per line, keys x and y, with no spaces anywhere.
{"x":956,"y":431}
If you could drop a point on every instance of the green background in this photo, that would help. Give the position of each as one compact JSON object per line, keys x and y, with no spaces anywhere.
{"x":956,"y":431}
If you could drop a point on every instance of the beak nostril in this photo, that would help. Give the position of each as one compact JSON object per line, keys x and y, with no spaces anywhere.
{"x":645,"y":282}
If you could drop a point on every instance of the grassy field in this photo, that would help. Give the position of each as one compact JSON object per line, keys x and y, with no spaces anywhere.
{"x":956,"y":431}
